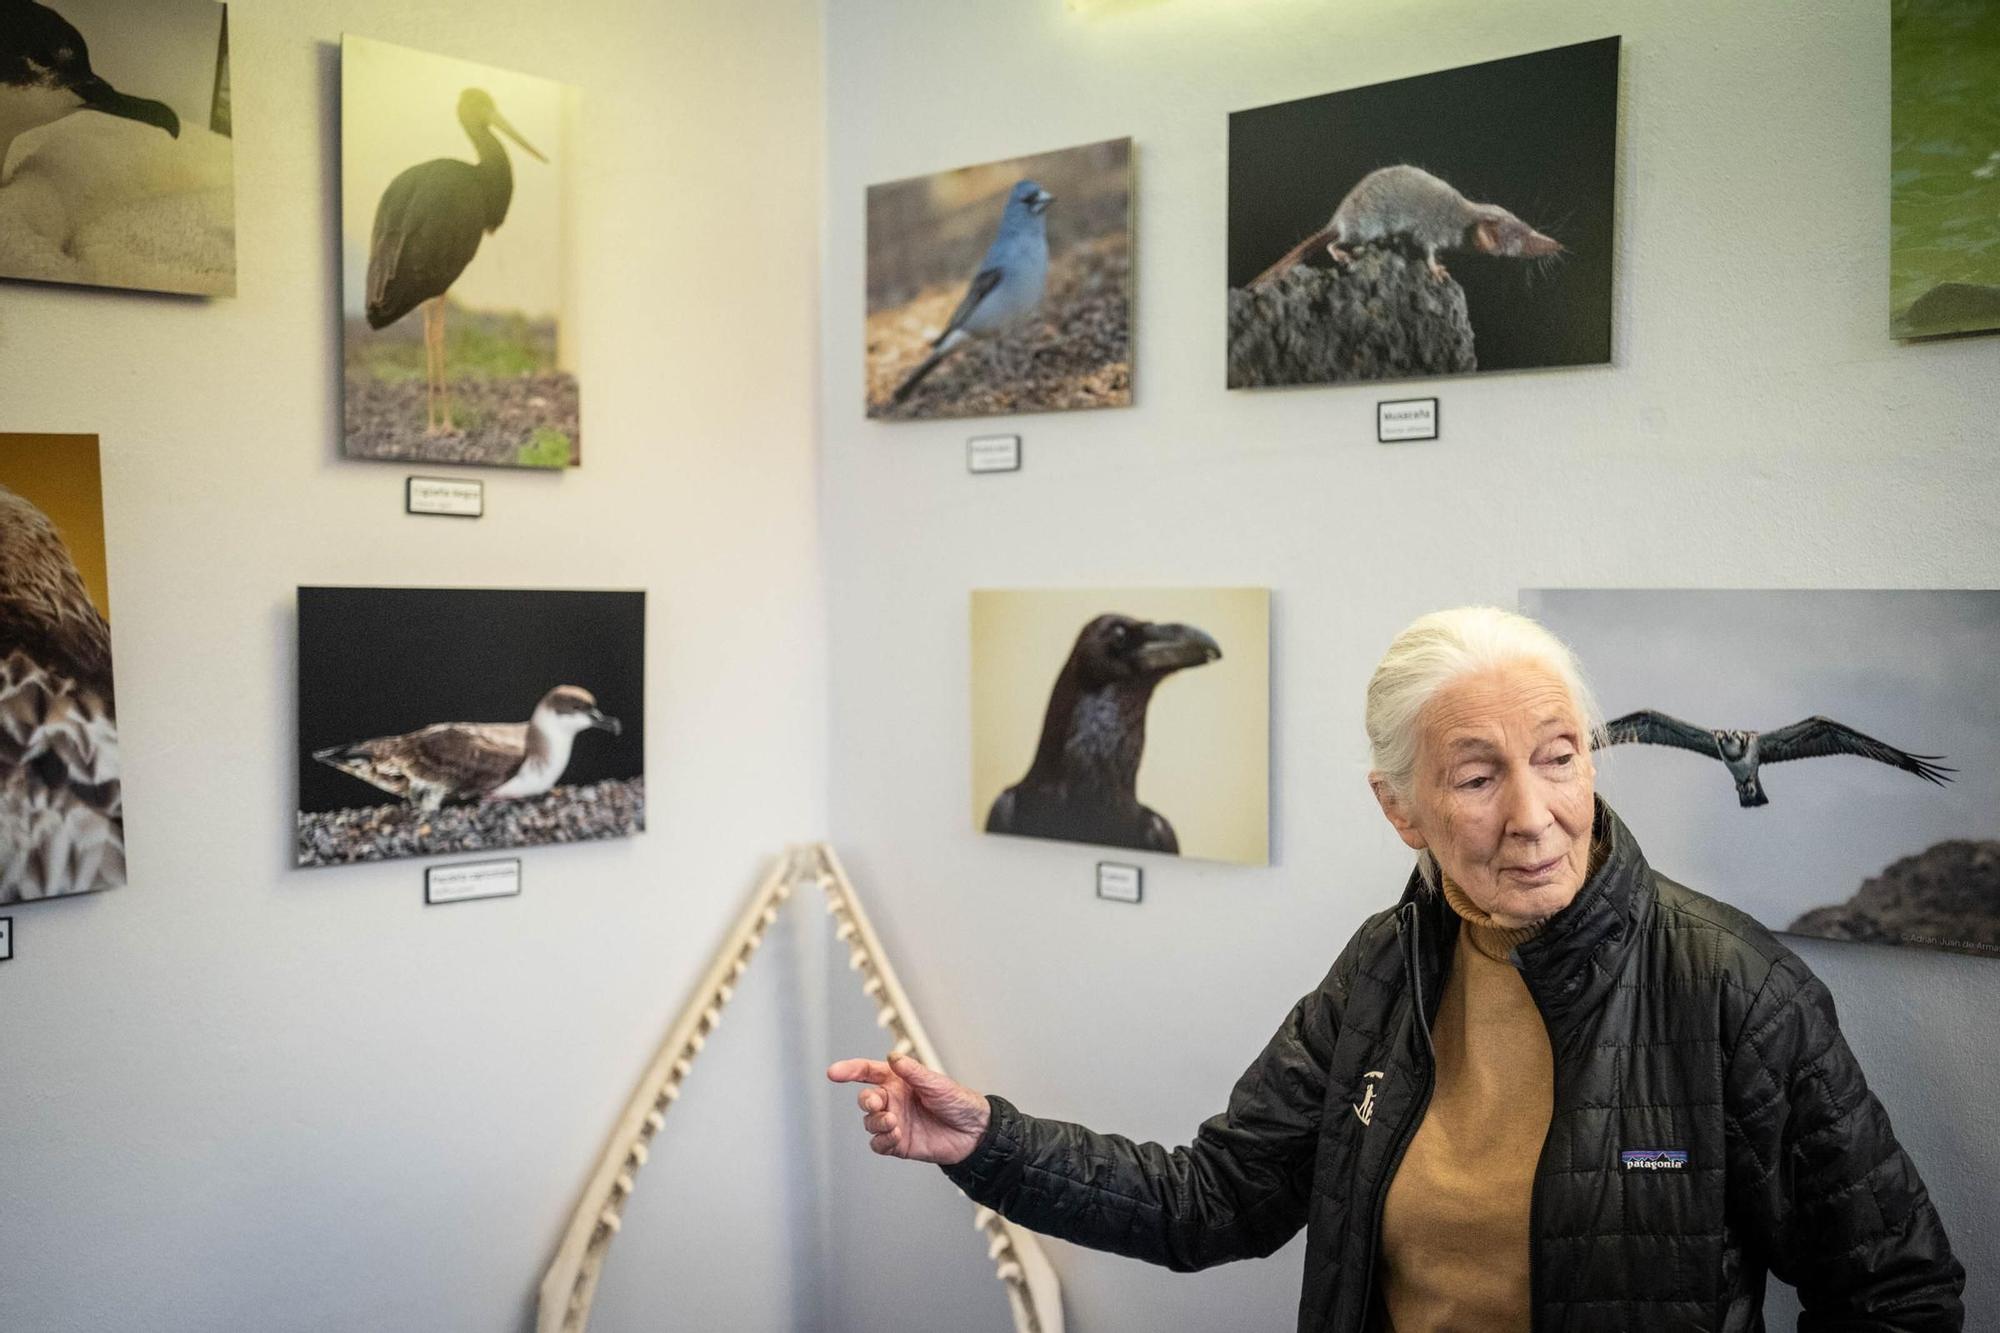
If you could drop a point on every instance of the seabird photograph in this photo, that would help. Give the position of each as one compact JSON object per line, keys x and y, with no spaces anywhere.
{"x":458,"y":337}
{"x":1003,"y":287}
{"x":117,"y":160}
{"x":1881,"y":705}
{"x":1132,"y":718}
{"x":435,"y":720}
{"x":62,"y":821}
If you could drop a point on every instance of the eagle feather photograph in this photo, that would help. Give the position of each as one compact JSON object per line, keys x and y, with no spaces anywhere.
{"x":1131,"y":718}
{"x":438,"y":720}
{"x":62,"y":821}
{"x":458,"y":336}
{"x":1003,"y":287}
{"x":1845,"y":745}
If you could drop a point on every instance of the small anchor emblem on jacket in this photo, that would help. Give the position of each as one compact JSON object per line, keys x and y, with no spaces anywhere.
{"x":1364,"y":1110}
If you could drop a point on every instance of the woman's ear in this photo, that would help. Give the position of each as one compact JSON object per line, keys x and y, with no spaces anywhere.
{"x":1398,"y":815}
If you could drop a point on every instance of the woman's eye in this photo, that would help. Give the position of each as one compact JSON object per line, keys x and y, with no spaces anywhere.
{"x":1474,"y":784}
{"x":1562,"y":759}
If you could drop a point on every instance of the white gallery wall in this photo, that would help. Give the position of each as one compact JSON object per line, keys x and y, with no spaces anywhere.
{"x":1757,"y":429}
{"x":238,"y":1096}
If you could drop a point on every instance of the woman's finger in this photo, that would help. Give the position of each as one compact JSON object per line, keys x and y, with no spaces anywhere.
{"x":884,"y":1144}
{"x":870,"y":1100}
{"x":879,"y":1123}
{"x":858,"y":1071}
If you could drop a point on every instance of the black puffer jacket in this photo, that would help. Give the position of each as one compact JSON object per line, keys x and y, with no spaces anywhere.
{"x":1709,"y":1124}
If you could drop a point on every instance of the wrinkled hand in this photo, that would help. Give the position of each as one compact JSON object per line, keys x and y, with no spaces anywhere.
{"x":914,"y":1112}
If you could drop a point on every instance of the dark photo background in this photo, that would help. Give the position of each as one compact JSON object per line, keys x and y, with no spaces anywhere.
{"x":381,"y":661}
{"x":1535,"y":134}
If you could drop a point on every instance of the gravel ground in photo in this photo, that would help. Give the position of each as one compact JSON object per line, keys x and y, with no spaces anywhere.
{"x":611,"y":809}
{"x":1076,"y":352}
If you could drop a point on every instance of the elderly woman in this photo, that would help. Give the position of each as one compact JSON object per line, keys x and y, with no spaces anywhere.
{"x":1549,"y":1089}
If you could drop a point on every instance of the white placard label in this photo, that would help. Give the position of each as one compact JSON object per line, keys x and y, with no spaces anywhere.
{"x":1406,"y":419}
{"x":472,"y":879}
{"x":1119,"y":883}
{"x":445,"y":495}
{"x":993,"y":453}
{"x":6,"y":938}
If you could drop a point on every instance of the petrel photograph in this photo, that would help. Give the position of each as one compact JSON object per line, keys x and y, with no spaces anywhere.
{"x":1445,"y":224}
{"x":1944,"y":167}
{"x":439,"y":720}
{"x":62,"y":803}
{"x":458,"y":333}
{"x":117,"y":158}
{"x":1001,"y":288}
{"x":1827,"y":761}
{"x":1137,"y":719}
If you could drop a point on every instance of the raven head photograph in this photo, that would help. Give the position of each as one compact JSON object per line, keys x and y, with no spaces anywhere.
{"x":1883,"y":823}
{"x":1075,"y":739}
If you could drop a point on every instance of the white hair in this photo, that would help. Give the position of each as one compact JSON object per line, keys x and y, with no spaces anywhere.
{"x":1434,"y":651}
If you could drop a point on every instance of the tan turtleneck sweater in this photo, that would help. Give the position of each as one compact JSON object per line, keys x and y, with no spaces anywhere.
{"x":1455,"y":1224}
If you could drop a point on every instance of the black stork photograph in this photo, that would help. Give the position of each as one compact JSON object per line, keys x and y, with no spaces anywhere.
{"x":117,"y":158}
{"x":1130,"y":718}
{"x":1828,"y":761}
{"x":437,"y":720}
{"x":457,"y":332}
{"x":62,"y":796}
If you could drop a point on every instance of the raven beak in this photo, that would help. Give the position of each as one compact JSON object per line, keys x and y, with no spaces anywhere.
{"x":101,"y":96}
{"x":1040,"y":203}
{"x":1174,"y":647}
{"x":602,"y":722}
{"x":499,"y":123}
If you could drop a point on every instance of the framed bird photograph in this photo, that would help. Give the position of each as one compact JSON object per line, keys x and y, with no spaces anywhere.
{"x":117,"y":157}
{"x":1002,"y":288}
{"x":1827,"y":761}
{"x":457,"y":326}
{"x":62,"y":805}
{"x":1944,"y":167}
{"x":1444,"y":224}
{"x":439,"y":720}
{"x":1136,"y":718}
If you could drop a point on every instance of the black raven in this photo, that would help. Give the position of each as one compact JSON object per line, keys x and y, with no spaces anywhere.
{"x":1744,"y":751}
{"x":1083,"y":784}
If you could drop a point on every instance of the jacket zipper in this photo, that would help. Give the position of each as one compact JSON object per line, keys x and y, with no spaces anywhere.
{"x":1408,"y":1130}
{"x":1535,"y":1188}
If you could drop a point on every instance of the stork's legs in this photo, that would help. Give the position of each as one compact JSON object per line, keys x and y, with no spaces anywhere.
{"x":437,"y":398}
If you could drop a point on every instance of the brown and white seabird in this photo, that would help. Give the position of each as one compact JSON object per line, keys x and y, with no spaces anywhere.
{"x":468,"y":761}
{"x":62,"y":827}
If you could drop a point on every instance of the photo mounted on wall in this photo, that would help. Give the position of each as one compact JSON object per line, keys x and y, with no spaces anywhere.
{"x":1002,"y":288}
{"x":62,"y":806}
{"x":117,"y":164}
{"x":436,"y":720}
{"x":1944,"y":167}
{"x":1437,"y":225}
{"x":1827,"y":761}
{"x":458,"y":336}
{"x":1131,"y":718}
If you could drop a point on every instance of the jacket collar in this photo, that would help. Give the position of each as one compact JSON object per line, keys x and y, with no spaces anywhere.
{"x":1573,"y":964}
{"x":1578,"y":956}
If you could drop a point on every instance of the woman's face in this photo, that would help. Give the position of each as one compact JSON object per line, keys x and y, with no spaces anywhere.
{"x":1502,"y":793}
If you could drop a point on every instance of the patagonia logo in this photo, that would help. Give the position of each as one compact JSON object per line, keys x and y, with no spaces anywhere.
{"x":1654,"y":1159}
{"x":1364,"y":1110}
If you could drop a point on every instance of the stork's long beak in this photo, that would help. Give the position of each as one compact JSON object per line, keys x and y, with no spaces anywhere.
{"x":499,"y":122}
{"x":1172,"y":647}
{"x":101,"y":96}
{"x":601,"y":721}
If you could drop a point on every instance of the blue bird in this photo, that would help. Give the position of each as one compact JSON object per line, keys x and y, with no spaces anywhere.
{"x":1008,"y":284}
